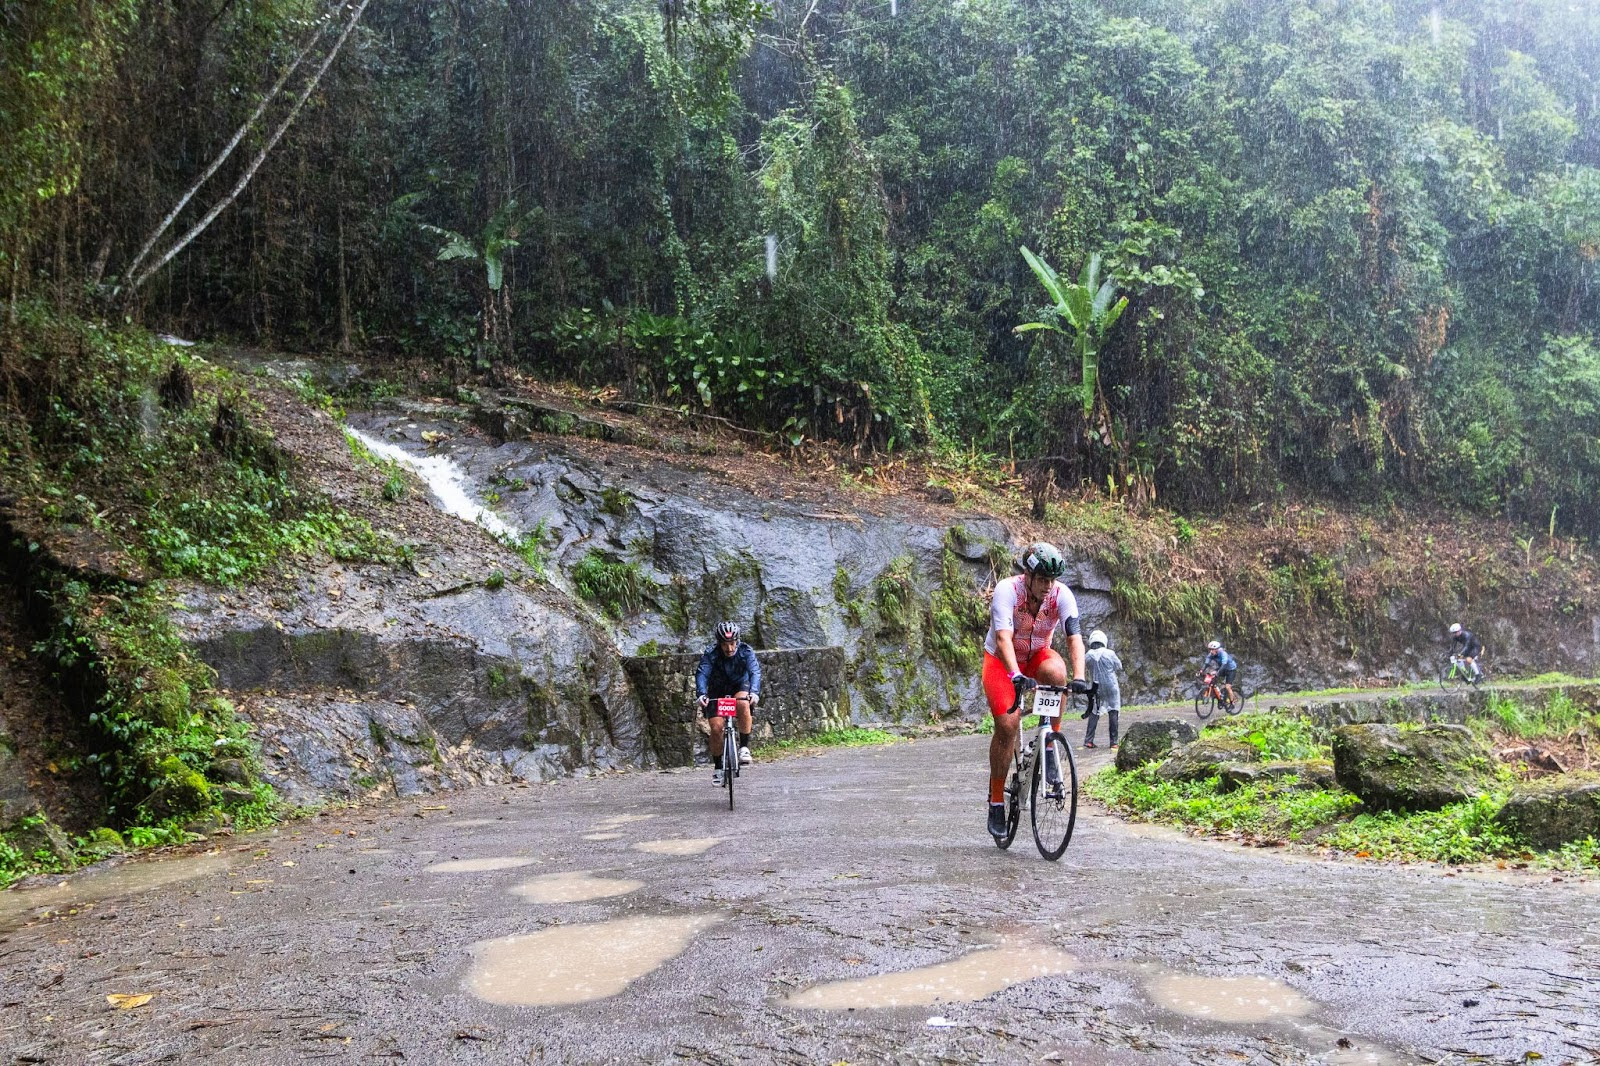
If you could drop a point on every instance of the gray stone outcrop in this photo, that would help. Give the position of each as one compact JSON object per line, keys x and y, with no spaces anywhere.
{"x":1203,"y":758}
{"x":1148,"y":741}
{"x":1551,"y":811}
{"x":1308,"y":774}
{"x":1410,"y":769}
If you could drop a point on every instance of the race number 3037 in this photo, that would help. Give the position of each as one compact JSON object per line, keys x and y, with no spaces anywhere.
{"x":1047,"y":704}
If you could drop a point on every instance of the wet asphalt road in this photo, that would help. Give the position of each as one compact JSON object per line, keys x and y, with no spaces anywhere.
{"x":332,"y":939}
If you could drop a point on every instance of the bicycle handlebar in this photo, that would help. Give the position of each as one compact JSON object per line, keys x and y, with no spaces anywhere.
{"x":1089,"y":689}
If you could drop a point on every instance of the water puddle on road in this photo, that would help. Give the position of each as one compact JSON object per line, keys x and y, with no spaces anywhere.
{"x":685,"y":846}
{"x":621,"y":820}
{"x":469,"y":823}
{"x":574,"y":887}
{"x":1228,"y":999}
{"x":971,"y":977}
{"x":478,"y":866}
{"x":569,"y":964}
{"x":19,"y":905}
{"x":602,"y":836}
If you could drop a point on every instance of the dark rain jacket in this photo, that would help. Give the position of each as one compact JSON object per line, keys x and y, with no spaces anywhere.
{"x":725,"y":675}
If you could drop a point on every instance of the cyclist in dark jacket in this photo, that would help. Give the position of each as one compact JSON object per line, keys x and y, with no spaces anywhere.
{"x":1225,"y":666}
{"x":728,"y":668}
{"x":1466,"y":646}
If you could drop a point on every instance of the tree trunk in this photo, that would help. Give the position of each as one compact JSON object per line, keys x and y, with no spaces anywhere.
{"x":255,"y":164}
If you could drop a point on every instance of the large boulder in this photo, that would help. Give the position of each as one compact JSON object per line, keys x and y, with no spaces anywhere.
{"x":1410,"y":769}
{"x":1204,"y":759}
{"x":1149,"y":741}
{"x":1309,"y":774}
{"x":1552,"y":811}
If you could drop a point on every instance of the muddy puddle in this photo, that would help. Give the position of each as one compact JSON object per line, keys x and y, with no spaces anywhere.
{"x":478,"y":866}
{"x":574,"y":887}
{"x":971,"y":977}
{"x":681,"y":846}
{"x":602,"y":836}
{"x":19,"y":906}
{"x":568,"y":964}
{"x":623,"y":819}
{"x":1235,"y":1000}
{"x":472,"y":823}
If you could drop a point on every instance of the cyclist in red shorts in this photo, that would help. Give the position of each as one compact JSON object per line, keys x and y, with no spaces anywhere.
{"x":1023,"y":616}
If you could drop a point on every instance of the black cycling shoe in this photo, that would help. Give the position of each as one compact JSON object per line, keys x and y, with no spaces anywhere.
{"x":997,"y":819}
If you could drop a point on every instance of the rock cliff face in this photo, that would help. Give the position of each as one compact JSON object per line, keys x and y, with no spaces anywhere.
{"x":628,"y":549}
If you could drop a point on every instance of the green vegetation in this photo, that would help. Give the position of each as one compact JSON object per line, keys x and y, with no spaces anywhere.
{"x":850,"y":737}
{"x":150,"y":464}
{"x":618,"y":588}
{"x":1356,"y":241}
{"x":1283,"y":810}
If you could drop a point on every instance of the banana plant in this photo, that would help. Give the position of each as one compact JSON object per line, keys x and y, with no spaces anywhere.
{"x":490,"y":247}
{"x":1088,"y":311}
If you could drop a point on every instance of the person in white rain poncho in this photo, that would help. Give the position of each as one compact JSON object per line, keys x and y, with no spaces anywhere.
{"x":1103,"y":665}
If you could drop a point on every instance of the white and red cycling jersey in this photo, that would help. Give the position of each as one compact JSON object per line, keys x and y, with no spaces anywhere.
{"x":1030,"y":633}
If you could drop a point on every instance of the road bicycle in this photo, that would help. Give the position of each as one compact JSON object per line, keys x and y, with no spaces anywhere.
{"x":1210,"y":697}
{"x":1052,"y":804}
{"x":727,"y":708}
{"x":1456,"y":672}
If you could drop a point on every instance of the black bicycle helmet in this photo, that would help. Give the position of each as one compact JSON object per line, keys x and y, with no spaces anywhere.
{"x":1042,"y":558}
{"x":727,"y":631}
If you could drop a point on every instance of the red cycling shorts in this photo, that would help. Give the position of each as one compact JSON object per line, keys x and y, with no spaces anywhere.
{"x":997,"y":682}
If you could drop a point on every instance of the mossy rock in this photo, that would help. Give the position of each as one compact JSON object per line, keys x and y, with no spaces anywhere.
{"x":1411,"y":769}
{"x":36,"y":835}
{"x":164,"y":700}
{"x":1553,"y":811}
{"x":1203,"y":759}
{"x":1149,"y":741}
{"x":181,"y":789}
{"x":1310,"y":774}
{"x":102,"y":842}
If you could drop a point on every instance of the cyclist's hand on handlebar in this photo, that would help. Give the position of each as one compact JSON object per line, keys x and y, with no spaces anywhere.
{"x":1080,"y":685}
{"x":703,"y":701}
{"x":1023,"y":683}
{"x":755,"y":698}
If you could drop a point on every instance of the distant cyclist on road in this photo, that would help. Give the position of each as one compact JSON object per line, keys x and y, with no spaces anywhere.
{"x":1466,"y":646}
{"x":728,"y":668}
{"x":1023,"y":616}
{"x":1225,"y":666}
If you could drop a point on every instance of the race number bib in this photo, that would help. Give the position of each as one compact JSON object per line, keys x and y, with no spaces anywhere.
{"x":727,"y":707}
{"x":1047,"y":704}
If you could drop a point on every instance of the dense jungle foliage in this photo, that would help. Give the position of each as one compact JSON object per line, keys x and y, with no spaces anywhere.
{"x":1358,"y":238}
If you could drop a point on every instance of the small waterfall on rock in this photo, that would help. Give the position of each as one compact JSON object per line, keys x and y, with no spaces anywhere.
{"x":445,"y":480}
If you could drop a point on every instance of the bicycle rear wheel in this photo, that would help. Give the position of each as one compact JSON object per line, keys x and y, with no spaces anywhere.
{"x":1203,"y":706}
{"x":1239,"y":696}
{"x":1055,"y":806}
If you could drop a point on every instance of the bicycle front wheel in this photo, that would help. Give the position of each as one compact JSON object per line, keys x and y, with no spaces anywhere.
{"x":1203,"y":706}
{"x":1055,"y":803}
{"x":730,"y":760}
{"x":1448,"y":674}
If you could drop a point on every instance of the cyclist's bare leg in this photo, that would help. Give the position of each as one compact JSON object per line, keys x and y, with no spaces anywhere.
{"x":744,"y":718}
{"x":715,"y":746}
{"x":1001,"y":747}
